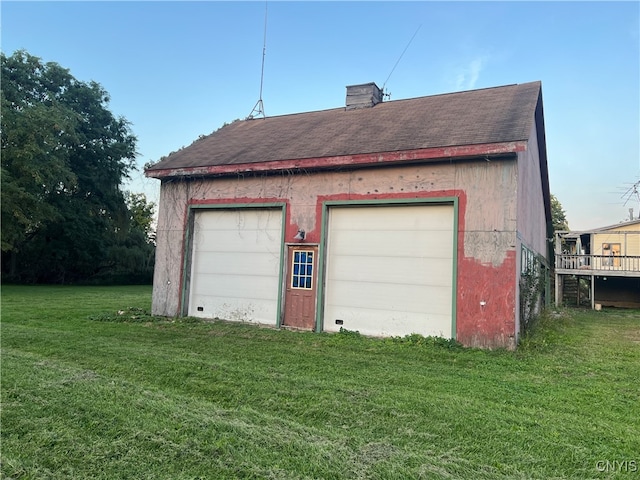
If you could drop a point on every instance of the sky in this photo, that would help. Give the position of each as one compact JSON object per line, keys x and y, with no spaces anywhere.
{"x":178,"y":70}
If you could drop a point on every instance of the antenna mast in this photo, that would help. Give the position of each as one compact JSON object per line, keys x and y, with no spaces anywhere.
{"x":633,"y":193}
{"x":258,"y":109}
{"x":399,"y":58}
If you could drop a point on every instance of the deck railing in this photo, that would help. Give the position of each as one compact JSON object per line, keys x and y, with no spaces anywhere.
{"x":615,"y":263}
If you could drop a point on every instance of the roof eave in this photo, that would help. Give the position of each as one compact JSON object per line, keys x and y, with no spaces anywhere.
{"x":612,"y":227}
{"x":544,"y":167}
{"x":369,"y":159}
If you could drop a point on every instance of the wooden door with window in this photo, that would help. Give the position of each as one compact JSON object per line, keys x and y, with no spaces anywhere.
{"x":300,"y":292}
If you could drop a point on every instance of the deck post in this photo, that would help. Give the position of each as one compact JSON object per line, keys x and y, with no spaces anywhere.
{"x":558,"y":286}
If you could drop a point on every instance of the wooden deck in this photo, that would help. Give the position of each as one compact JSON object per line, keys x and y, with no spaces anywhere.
{"x":618,"y":265}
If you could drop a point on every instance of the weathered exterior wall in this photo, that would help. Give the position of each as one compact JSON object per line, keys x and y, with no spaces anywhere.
{"x":486,"y":297}
{"x":170,"y":236}
{"x":532,"y":223}
{"x":486,"y":280}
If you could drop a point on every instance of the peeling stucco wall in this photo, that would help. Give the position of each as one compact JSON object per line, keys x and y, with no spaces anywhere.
{"x":490,"y":216}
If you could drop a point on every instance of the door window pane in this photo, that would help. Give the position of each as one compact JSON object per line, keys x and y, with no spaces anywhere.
{"x":302,"y":270}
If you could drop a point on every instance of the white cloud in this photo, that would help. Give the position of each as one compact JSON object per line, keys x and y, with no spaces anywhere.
{"x":468,"y":75}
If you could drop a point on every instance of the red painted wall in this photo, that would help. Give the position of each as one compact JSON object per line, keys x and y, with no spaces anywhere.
{"x":486,"y":303}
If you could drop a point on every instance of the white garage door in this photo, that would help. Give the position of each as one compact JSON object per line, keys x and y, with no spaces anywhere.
{"x":235,"y":265}
{"x":390,"y":270}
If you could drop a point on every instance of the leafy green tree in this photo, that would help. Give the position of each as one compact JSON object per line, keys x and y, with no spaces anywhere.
{"x":64,"y":157}
{"x":558,"y":215}
{"x":141,"y":214}
{"x":133,"y":256}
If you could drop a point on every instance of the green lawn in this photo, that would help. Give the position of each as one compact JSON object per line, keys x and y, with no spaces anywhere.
{"x":90,"y":393}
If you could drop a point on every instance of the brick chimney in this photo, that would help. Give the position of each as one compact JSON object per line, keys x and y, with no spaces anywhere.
{"x":363,"y":96}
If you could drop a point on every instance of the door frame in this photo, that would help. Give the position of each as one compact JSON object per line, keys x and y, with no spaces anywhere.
{"x":187,"y":246}
{"x":286,"y":271}
{"x":322,"y":254}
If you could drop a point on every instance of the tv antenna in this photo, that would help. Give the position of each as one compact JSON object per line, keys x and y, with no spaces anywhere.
{"x":388,"y":95}
{"x":632,"y":193}
{"x":258,"y":109}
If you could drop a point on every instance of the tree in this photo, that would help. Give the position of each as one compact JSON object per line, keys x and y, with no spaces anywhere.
{"x":558,"y":215}
{"x":64,"y":157}
{"x":141,"y":213}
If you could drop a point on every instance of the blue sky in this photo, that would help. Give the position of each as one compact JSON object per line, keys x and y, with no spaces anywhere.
{"x":177,"y":70}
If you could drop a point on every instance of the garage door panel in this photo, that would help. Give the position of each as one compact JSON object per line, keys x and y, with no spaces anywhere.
{"x":238,"y":220}
{"x":235,"y":286}
{"x":233,"y":309}
{"x":251,"y":230}
{"x":228,"y":244}
{"x":368,"y":218}
{"x":389,"y":270}
{"x":356,"y":242}
{"x":389,"y":323}
{"x":405,"y":298}
{"x":434,"y":271}
{"x":235,"y":265}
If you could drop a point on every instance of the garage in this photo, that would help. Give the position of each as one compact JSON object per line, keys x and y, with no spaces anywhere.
{"x":390,"y":270}
{"x":235,"y":264}
{"x":397,"y":217}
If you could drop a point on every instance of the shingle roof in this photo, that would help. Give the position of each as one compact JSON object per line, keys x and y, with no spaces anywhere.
{"x":486,"y":116}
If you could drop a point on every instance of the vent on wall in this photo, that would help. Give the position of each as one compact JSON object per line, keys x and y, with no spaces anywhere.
{"x":363,"y":96}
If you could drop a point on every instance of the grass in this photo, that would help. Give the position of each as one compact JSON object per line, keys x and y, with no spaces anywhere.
{"x":93,"y":386}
